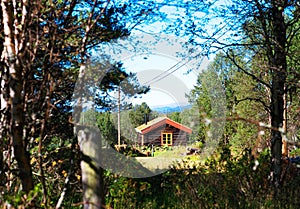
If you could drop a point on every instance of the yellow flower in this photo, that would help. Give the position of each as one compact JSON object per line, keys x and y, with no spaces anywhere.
{"x":32,"y":160}
{"x":64,"y":173}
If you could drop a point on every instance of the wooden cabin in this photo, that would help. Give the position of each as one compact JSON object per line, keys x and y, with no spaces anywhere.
{"x":163,"y":131}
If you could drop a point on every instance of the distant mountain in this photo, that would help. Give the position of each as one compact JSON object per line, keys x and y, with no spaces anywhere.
{"x":171,"y":108}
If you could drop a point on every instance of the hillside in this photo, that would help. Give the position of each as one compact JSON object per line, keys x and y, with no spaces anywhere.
{"x":169,"y":108}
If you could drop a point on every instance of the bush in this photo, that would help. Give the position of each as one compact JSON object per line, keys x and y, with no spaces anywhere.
{"x":221,"y":182}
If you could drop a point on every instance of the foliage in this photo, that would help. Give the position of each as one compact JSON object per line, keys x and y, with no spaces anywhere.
{"x":175,"y":116}
{"x":139,"y":114}
{"x":107,"y":128}
{"x":258,"y":37}
{"x":61,"y":160}
{"x":51,"y":41}
{"x":295,"y":152}
{"x":223,"y":181}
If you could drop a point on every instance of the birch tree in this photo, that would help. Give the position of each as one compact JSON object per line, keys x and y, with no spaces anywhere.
{"x":44,"y":46}
{"x":14,"y":44}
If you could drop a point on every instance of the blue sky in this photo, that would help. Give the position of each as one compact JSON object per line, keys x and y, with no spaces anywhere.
{"x":151,"y":55}
{"x":157,"y":64}
{"x":164,"y":62}
{"x":168,"y":90}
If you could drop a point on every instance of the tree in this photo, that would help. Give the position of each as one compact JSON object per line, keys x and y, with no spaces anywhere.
{"x":107,"y":127}
{"x":44,"y":46}
{"x":140,"y":114}
{"x":259,"y":28}
{"x":274,"y":47}
{"x":14,"y":102}
{"x":175,"y":116}
{"x":245,"y":99}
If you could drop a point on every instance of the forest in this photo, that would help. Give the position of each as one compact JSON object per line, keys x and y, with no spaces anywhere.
{"x":72,"y":137}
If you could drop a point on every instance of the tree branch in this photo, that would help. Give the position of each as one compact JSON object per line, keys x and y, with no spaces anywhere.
{"x":246,"y":72}
{"x":267,"y":107}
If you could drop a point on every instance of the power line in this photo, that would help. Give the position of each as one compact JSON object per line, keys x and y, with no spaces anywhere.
{"x":161,"y":74}
{"x":210,"y":38}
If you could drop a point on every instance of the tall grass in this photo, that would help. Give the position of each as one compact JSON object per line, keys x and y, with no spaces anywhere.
{"x":222,"y":182}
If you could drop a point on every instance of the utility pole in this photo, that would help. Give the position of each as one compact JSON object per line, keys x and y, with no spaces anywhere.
{"x":119,"y":117}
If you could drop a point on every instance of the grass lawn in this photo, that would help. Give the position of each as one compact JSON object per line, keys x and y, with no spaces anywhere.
{"x":163,"y":159}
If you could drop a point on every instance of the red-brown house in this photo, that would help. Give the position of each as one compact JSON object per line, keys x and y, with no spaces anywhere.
{"x":163,"y":131}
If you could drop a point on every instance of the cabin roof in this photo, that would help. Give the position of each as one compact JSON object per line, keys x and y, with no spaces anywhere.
{"x":157,"y":122}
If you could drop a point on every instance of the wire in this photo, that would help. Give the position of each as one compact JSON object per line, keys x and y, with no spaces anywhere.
{"x":162,"y":76}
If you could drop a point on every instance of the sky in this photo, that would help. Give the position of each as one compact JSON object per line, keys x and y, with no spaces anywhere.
{"x":166,"y":88}
{"x":153,"y":57}
{"x":166,"y":63}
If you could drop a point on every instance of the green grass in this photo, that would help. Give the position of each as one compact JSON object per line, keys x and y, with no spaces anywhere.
{"x":171,"y":152}
{"x":165,"y":159}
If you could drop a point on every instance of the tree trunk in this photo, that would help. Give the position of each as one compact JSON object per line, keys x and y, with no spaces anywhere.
{"x":3,"y":109}
{"x":278,"y":68}
{"x":277,"y":123}
{"x":15,"y":103}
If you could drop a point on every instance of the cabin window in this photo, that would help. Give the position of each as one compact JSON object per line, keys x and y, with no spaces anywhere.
{"x":166,"y":139}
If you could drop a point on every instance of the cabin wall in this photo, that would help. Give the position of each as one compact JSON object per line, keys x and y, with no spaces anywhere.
{"x":180,"y":139}
{"x":154,"y":136}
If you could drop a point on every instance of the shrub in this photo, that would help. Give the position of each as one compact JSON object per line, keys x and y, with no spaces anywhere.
{"x":220,"y":182}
